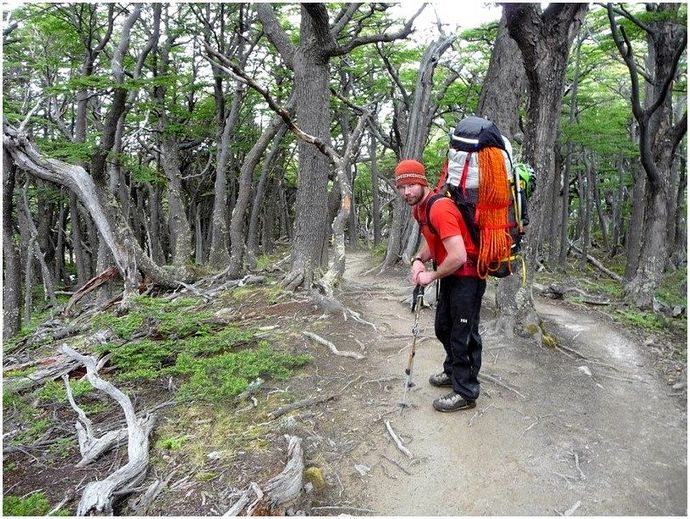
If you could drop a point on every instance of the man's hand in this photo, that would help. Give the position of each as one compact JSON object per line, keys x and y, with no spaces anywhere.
{"x":426,"y":277}
{"x":415,"y":269}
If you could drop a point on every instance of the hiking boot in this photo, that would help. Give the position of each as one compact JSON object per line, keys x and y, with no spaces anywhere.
{"x":440,"y":380}
{"x":453,"y":402}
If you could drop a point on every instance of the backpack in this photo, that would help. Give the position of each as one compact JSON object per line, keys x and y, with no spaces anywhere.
{"x":480,"y":178}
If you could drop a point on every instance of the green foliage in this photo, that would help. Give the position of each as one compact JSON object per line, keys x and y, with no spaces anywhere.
{"x":225,"y":376}
{"x":643,"y":320}
{"x":36,"y":428}
{"x":673,"y":289}
{"x":172,"y":443}
{"x":54,"y":391}
{"x":170,"y":318}
{"x":34,"y":505}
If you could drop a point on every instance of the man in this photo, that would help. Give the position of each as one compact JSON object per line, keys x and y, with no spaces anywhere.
{"x":448,"y":244}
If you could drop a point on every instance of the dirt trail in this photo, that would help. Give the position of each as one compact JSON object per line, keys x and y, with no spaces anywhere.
{"x":592,"y":436}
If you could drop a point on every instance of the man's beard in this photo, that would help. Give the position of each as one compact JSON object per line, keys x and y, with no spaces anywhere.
{"x":413,"y":200}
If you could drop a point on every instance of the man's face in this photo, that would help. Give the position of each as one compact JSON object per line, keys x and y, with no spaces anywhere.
{"x":413,"y":194}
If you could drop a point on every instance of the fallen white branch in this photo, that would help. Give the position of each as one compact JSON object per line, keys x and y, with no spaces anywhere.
{"x":286,"y":486}
{"x":332,"y":347}
{"x":98,"y":495}
{"x":308,"y":402}
{"x":91,"y":447}
{"x":498,"y":382}
{"x":398,"y":441}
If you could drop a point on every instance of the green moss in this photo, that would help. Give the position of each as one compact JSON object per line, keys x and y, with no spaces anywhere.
{"x":225,"y":376}
{"x":173,"y":443}
{"x":35,"y":504}
{"x":673,"y":289}
{"x":171,"y":319}
{"x":53,"y":391}
{"x":644,"y":320}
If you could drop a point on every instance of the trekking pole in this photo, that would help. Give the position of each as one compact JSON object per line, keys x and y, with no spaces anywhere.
{"x":417,"y":300}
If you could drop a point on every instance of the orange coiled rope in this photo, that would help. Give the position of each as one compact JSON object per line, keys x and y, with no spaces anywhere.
{"x":492,"y":211}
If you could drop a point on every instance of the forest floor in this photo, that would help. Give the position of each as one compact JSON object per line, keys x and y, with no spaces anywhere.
{"x":595,"y":426}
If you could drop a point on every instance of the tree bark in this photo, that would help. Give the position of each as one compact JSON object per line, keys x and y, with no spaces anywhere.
{"x":659,"y":136}
{"x":11,"y":287}
{"x":544,"y":39}
{"x":500,"y":98}
{"x":237,"y":238}
{"x":259,"y":196}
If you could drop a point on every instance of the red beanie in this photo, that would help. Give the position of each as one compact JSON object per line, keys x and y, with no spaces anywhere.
{"x":409,"y":172}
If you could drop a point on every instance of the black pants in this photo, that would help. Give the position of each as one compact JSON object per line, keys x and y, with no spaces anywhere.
{"x":457,"y":327}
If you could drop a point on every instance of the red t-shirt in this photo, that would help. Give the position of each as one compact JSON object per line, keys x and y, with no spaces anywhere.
{"x":447,"y":221}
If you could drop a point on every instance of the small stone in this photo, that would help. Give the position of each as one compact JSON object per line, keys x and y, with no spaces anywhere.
{"x":680,"y":385}
{"x":215,"y":455}
{"x":585,"y":370}
{"x":362,"y":469}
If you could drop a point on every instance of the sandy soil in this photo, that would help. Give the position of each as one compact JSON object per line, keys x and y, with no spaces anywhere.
{"x":595,"y":434}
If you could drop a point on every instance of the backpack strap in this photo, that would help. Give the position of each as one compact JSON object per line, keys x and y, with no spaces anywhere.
{"x":465,"y":170}
{"x":429,"y":203}
{"x":442,"y":178}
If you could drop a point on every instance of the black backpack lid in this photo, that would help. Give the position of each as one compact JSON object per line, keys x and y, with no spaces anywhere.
{"x":474,"y":133}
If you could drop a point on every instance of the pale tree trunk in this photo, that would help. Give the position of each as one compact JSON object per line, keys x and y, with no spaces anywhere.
{"x":659,"y":137}
{"x":218,"y":255}
{"x":11,"y":287}
{"x":260,"y":195}
{"x":544,"y":39}
{"x":421,"y":111}
{"x":375,"y":198}
{"x":679,"y":254}
{"x":180,"y":230}
{"x":100,"y":204}
{"x":237,"y":243}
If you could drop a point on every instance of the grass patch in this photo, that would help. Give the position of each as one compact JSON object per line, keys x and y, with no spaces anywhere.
{"x":227,"y":375}
{"x":644,"y":320}
{"x":53,"y":391}
{"x":172,"y":443}
{"x":673,"y":289}
{"x":34,"y":505}
{"x":172,"y":319}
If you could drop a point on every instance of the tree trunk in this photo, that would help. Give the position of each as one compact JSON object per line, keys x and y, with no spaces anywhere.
{"x":499,"y":101}
{"x":400,"y":243}
{"x":259,"y":197}
{"x":312,"y":96}
{"x":11,"y":287}
{"x":59,"y":273}
{"x":101,"y":205}
{"x":633,"y":236}
{"x":218,"y":255}
{"x":544,"y":39}
{"x":659,"y":136}
{"x":504,"y":85}
{"x":80,"y":257}
{"x":375,"y":199}
{"x":180,"y":231}
{"x":239,"y":212}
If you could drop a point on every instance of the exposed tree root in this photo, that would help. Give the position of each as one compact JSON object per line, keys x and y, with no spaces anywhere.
{"x":332,"y":347}
{"x":98,"y":496}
